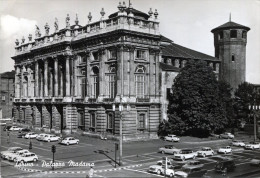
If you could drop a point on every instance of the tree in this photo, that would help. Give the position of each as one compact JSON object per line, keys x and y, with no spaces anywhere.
{"x":194,"y":106}
{"x":244,"y":96}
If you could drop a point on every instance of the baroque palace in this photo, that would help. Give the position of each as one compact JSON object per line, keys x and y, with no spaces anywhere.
{"x":89,"y":77}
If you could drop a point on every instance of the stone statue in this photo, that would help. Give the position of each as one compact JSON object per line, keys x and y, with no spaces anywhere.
{"x":68,"y":21}
{"x":47,"y":29}
{"x":56,"y":25}
{"x":37,"y":31}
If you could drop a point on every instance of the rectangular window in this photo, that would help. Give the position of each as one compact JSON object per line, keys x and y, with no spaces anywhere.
{"x":110,"y":122}
{"x":141,"y":121}
{"x":95,"y":55}
{"x":244,"y":34}
{"x":3,"y":98}
{"x":233,"y":34}
{"x":92,"y":122}
{"x":140,"y":54}
{"x":139,"y":84}
{"x":112,"y":54}
{"x":112,"y":86}
{"x":220,"y":35}
{"x":83,"y":87}
{"x":96,"y":86}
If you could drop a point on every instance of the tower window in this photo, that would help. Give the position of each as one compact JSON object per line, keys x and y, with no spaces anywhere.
{"x":233,"y":34}
{"x":233,"y":58}
{"x":244,"y":34}
{"x":220,"y":35}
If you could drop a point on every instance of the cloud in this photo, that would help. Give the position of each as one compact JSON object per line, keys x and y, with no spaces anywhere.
{"x":13,"y":27}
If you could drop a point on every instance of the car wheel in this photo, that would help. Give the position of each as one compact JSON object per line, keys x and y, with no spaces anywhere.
{"x":22,"y":161}
{"x":67,"y":143}
{"x":171,"y":175}
{"x":159,"y":172}
{"x":34,"y":160}
{"x":225,"y":152}
{"x":163,"y":152}
{"x":77,"y":143}
{"x":204,"y":155}
{"x":49,"y":140}
{"x":183,"y":158}
{"x":194,"y":157}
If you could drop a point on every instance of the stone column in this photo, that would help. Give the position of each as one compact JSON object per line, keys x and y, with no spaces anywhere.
{"x":22,"y":79}
{"x":51,"y":83}
{"x":68,"y":76}
{"x":41,"y":88}
{"x":55,"y":77}
{"x":17,"y":87}
{"x":46,"y":77}
{"x":36,"y":76}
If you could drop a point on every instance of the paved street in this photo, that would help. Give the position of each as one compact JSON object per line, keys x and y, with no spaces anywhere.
{"x":138,"y":156}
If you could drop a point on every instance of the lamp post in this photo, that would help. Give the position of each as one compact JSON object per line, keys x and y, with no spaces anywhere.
{"x":254,"y":108}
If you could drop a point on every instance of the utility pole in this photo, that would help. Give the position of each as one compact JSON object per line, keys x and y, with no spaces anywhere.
{"x":53,"y":150}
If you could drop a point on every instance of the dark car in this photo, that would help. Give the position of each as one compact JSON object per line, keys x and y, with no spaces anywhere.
{"x":191,"y":172}
{"x":7,"y":127}
{"x":25,"y":130}
{"x":21,"y":134}
{"x":225,"y":165}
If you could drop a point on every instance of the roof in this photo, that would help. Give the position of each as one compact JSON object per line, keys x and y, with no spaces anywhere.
{"x":167,"y":67}
{"x":136,"y":13}
{"x":230,"y":25}
{"x":9,"y":75}
{"x":178,"y":51}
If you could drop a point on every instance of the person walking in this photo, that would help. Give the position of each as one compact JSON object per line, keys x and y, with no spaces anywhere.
{"x":90,"y":172}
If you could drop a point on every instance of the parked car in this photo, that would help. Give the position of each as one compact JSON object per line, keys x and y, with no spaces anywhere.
{"x":225,"y":165}
{"x":31,"y":135}
{"x":185,"y":154}
{"x":170,"y":149}
{"x":25,"y":130}
{"x":225,"y":149}
{"x":190,"y":172}
{"x":7,"y":127}
{"x":27,"y":157}
{"x":255,"y":162}
{"x":21,"y":135}
{"x":160,"y":169}
{"x":14,"y":156}
{"x":50,"y":138}
{"x":10,"y":150}
{"x":170,"y":162}
{"x":252,"y":145}
{"x":69,"y":141}
{"x":171,"y":138}
{"x":15,"y":128}
{"x":41,"y":136}
{"x":238,"y":143}
{"x":205,"y":151}
{"x":193,"y":164}
{"x":227,"y":135}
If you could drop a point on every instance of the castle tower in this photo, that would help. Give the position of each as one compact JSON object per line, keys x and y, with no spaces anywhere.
{"x":230,"y":47}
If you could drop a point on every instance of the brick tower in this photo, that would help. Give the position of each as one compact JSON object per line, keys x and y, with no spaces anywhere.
{"x":230,"y":47}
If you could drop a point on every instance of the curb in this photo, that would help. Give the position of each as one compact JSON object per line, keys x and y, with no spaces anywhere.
{"x":77,"y":172}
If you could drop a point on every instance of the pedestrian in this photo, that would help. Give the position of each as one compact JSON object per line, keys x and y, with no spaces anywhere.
{"x":90,"y":172}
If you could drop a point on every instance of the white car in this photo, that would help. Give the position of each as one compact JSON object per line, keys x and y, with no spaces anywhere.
{"x":41,"y":136}
{"x":252,"y":145}
{"x":31,"y":135}
{"x":227,"y":135}
{"x":170,"y":149}
{"x":185,"y":154}
{"x":255,"y":162}
{"x":10,"y":150}
{"x":205,"y":151}
{"x":160,"y":169}
{"x":15,"y":128}
{"x":70,"y":141}
{"x":14,"y":156}
{"x":50,"y":138}
{"x":171,"y":138}
{"x":27,"y":157}
{"x":225,"y":149}
{"x":238,"y":143}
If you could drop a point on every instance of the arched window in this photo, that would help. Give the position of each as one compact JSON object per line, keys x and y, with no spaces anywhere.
{"x":140,"y":81}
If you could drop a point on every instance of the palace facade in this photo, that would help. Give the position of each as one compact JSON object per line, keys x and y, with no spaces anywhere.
{"x":89,"y":77}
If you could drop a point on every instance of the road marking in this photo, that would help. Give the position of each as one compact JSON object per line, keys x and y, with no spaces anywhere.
{"x":144,"y":172}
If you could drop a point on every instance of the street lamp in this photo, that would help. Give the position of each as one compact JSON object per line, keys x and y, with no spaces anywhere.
{"x":254,"y":108}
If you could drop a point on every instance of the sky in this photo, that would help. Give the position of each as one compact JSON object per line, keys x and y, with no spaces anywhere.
{"x":186,"y":22}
